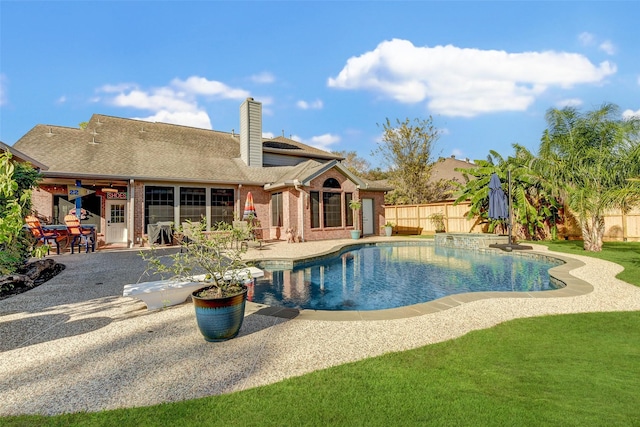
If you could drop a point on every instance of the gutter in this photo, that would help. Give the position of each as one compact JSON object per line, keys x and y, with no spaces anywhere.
{"x":69,"y":175}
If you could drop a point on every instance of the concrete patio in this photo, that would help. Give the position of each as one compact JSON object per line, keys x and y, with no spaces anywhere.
{"x":75,"y":344}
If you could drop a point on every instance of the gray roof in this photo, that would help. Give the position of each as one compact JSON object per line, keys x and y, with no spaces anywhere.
{"x":126,"y":148}
{"x":445,"y":168}
{"x":22,"y":157}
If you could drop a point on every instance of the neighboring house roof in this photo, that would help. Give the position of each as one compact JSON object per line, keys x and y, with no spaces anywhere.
{"x":21,"y":157}
{"x":125,"y":148}
{"x":445,"y":168}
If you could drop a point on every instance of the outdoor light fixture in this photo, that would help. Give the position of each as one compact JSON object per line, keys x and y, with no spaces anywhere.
{"x":109,"y":189}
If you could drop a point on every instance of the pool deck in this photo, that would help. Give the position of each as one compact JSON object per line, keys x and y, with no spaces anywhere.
{"x":76,"y":344}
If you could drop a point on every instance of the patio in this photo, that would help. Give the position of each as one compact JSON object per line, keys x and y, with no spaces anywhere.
{"x":75,"y":344}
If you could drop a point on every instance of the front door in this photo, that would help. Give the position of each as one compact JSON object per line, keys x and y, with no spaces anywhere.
{"x":116,"y":221}
{"x":367,"y":216}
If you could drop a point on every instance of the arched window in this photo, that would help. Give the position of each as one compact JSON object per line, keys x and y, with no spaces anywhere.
{"x":331,"y":183}
{"x":328,"y":204}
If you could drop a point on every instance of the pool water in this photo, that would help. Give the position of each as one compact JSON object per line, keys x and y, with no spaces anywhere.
{"x":377,"y":277}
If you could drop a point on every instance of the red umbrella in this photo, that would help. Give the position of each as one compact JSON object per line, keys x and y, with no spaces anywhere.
{"x":249,"y":208}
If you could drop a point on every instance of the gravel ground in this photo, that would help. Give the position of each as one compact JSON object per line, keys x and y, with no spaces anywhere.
{"x":75,"y":344}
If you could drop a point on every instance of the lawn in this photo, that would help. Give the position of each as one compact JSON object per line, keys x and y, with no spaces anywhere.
{"x":569,"y":370}
{"x":626,"y":254}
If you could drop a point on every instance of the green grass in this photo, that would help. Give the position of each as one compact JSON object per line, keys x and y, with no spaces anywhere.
{"x":627,"y":254}
{"x":569,"y":370}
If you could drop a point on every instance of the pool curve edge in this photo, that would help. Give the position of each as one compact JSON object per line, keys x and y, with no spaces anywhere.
{"x":561,"y":273}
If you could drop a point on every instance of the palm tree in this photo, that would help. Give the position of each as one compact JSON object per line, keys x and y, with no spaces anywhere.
{"x":588,"y":158}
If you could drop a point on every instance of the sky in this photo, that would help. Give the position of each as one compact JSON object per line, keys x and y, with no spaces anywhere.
{"x":328,"y":73}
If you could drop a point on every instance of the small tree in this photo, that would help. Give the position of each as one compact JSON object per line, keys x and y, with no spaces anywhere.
{"x":219,"y":255}
{"x":355,"y":206}
{"x":407,"y":150}
{"x":16,"y":181}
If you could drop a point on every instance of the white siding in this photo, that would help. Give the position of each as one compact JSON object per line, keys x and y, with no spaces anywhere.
{"x":271,"y":159}
{"x":251,"y":132}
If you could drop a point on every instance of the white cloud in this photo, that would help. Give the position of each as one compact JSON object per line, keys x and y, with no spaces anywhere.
{"x":627,"y":114}
{"x":120,"y":87}
{"x":587,"y":39}
{"x":156,"y":100}
{"x":176,"y":103}
{"x":263,"y":78}
{"x":268,"y":135}
{"x":4,"y":99}
{"x":571,"y":102}
{"x":197,"y":119}
{"x":61,"y":100}
{"x":465,"y":82}
{"x":323,"y":142}
{"x":201,"y":86}
{"x":607,"y":47}
{"x":315,"y":105}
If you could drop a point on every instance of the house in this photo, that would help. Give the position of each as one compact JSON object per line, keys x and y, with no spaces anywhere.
{"x":21,"y":157}
{"x":125,"y":174}
{"x":445,"y":169}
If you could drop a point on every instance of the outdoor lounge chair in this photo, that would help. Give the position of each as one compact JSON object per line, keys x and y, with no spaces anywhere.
{"x":79,"y":234}
{"x":43,"y":235}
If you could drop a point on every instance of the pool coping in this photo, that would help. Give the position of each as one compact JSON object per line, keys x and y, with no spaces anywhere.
{"x":573,"y":287}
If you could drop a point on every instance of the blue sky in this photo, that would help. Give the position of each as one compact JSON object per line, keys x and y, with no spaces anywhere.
{"x":326,"y":72}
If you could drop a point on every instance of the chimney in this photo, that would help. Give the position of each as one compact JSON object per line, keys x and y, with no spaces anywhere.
{"x":251,"y":132}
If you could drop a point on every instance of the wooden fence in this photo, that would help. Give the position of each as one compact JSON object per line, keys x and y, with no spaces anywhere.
{"x":415,"y":219}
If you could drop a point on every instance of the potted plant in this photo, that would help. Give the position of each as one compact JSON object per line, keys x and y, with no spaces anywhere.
{"x":220,"y":303}
{"x":355,"y":206}
{"x":437,"y":220}
{"x":388,"y":228}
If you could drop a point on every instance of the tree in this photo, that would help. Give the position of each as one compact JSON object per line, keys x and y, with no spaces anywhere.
{"x":353,"y":162}
{"x":407,"y":151}
{"x":16,"y":182}
{"x":376,"y":174}
{"x":589,"y":157}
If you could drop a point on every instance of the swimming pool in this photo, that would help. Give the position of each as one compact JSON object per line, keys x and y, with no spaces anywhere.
{"x":381,"y":276}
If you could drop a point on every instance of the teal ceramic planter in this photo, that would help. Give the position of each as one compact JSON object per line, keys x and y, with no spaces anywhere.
{"x":355,"y":234}
{"x":219,"y":319}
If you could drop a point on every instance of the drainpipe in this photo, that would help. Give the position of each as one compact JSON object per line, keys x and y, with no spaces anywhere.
{"x":238,"y":213}
{"x":296,"y":185}
{"x":132,"y":207}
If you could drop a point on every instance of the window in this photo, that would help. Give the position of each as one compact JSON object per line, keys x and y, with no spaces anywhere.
{"x":331,"y":183}
{"x":221,"y":205}
{"x":276,"y":210}
{"x":116,"y":213}
{"x":348,"y":214}
{"x":328,"y":205}
{"x":332,"y":209}
{"x":158,"y":204}
{"x":315,"y":209}
{"x":193,"y":204}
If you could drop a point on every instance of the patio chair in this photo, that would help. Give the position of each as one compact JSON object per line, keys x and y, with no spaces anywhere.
{"x":79,"y":234}
{"x":43,"y":235}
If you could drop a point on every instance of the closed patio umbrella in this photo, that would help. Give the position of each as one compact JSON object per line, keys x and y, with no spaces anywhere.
{"x":249,"y":208}
{"x":498,"y":202}
{"x":498,"y":207}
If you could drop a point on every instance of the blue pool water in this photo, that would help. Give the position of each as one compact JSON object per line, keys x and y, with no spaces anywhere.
{"x":396,"y":275}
